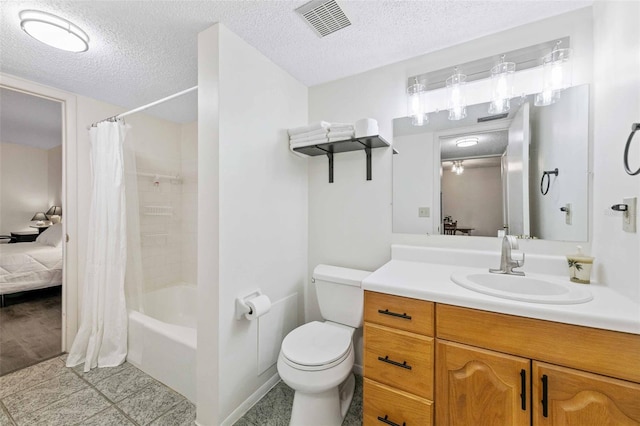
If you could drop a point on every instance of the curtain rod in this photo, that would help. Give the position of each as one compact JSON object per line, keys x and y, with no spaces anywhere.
{"x":142,"y":108}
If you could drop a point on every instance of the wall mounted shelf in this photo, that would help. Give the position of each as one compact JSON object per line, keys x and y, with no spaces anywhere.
{"x":365,"y":144}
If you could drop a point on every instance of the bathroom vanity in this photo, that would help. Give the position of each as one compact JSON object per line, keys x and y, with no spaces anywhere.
{"x":438,"y":353}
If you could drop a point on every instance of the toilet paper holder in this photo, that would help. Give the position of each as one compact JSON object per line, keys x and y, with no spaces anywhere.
{"x":241,"y":304}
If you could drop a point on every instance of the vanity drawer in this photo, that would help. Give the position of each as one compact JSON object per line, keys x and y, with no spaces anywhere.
{"x":399,"y":312}
{"x":399,"y":359}
{"x":384,"y":403}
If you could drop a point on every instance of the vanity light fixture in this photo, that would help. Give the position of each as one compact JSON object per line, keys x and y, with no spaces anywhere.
{"x":456,"y":102}
{"x":556,"y":75}
{"x":416,"y":103}
{"x":466,"y":142}
{"x":54,"y":31}
{"x":501,"y":86}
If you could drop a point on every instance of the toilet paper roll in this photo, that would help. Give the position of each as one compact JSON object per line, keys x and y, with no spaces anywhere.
{"x":259,"y":306}
{"x":366,"y":127}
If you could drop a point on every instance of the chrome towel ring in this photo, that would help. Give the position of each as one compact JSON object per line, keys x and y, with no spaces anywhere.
{"x":547,"y":174}
{"x":634,"y":128}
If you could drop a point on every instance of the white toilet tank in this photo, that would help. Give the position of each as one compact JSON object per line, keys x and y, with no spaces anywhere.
{"x":340,"y":294}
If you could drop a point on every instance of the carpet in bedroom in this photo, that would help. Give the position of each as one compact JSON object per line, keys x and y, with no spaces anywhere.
{"x":30,"y":328}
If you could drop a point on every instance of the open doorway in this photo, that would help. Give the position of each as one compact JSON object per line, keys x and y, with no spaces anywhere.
{"x":31,"y":230}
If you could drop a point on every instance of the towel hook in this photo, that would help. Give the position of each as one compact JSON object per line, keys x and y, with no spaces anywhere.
{"x":547,"y":174}
{"x":634,"y":128}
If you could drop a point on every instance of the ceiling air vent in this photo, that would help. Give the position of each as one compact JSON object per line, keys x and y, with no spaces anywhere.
{"x":325,"y":17}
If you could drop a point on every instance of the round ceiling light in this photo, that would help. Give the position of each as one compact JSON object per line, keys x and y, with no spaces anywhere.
{"x":463,"y":143}
{"x":54,"y":31}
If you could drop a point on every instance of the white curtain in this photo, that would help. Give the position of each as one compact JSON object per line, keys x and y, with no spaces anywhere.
{"x":102,"y":338}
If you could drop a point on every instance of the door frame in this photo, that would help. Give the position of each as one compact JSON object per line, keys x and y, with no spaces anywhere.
{"x":69,"y":197}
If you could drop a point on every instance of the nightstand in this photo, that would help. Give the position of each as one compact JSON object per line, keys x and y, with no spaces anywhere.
{"x":23,"y":237}
{"x":39,"y":228}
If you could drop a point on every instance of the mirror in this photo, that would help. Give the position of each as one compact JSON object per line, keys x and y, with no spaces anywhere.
{"x":485,"y":173}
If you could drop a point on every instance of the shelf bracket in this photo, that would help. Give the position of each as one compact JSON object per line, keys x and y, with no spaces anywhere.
{"x":367,"y":151}
{"x":330,"y":156}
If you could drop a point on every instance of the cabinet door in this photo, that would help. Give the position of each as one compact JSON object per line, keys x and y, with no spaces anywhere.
{"x":480,"y":387}
{"x":563,"y":396}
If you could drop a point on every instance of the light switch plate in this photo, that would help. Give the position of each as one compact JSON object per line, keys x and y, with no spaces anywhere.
{"x":424,"y":212}
{"x":629,"y":217}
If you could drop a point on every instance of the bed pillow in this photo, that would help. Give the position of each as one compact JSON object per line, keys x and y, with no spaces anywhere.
{"x":52,"y":236}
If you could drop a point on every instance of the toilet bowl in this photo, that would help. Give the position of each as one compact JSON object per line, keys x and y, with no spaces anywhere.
{"x":316,"y":359}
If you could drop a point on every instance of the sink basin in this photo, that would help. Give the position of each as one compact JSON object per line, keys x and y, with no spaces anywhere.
{"x":523,"y":288}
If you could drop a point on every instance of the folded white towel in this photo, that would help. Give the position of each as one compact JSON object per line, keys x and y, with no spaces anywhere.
{"x":310,"y":138}
{"x":309,"y":143}
{"x":332,"y":125}
{"x":306,"y":135}
{"x":309,"y":128}
{"x":339,"y":138}
{"x":344,"y":134}
{"x":366,"y":127}
{"x":341,"y":128}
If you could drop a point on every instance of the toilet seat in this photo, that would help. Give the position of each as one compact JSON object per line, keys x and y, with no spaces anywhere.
{"x":316,"y":346}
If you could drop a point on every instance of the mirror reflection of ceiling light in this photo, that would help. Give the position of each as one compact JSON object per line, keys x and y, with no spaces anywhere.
{"x":556,"y":75}
{"x":54,"y":31}
{"x":463,"y":143}
{"x":416,"y":103}
{"x":457,"y":167}
{"x":501,"y":86}
{"x":456,"y":102}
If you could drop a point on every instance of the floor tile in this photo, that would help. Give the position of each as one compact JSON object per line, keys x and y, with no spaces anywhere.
{"x":183,"y":414}
{"x":46,"y":393}
{"x":4,"y":418}
{"x":96,"y":375}
{"x":31,"y":376}
{"x":150,"y":403}
{"x":273,"y":409}
{"x":70,"y":410}
{"x":109,"y":417}
{"x":119,"y":386}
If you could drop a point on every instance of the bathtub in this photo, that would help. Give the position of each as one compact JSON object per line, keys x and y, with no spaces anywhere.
{"x":162,"y":340}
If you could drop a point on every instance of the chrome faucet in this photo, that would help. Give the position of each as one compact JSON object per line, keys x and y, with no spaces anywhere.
{"x":507,"y":261}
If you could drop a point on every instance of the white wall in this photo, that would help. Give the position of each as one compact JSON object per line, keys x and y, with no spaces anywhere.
{"x":54,"y":176}
{"x":189,"y":225}
{"x":413,"y":163}
{"x":616,"y":106}
{"x":24,"y":186}
{"x":261,"y":200}
{"x":350,"y":220}
{"x":561,"y":144}
{"x":474,"y":199}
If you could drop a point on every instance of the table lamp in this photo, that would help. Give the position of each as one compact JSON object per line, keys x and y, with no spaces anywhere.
{"x":40,"y":217}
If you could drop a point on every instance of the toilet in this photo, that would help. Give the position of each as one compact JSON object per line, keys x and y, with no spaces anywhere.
{"x":316,"y":359}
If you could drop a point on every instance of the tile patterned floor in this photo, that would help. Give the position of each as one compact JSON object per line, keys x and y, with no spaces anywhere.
{"x":274,"y":409}
{"x":30,"y":329}
{"x":51,"y":394}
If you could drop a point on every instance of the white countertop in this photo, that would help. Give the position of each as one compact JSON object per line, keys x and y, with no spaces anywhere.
{"x":431,"y":281}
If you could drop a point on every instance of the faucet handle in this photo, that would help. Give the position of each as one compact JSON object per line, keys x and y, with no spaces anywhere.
{"x":518,"y":257}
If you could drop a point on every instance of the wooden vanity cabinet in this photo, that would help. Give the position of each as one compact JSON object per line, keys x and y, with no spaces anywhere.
{"x":488,"y":350}
{"x":474,"y":367}
{"x":479,"y":387}
{"x":398,"y":361}
{"x":563,"y":396}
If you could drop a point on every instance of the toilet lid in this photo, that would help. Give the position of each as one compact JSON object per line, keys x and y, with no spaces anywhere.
{"x":316,"y":343}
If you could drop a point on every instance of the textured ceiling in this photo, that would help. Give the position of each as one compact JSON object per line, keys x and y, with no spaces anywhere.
{"x":29,"y":120}
{"x":141,"y":51}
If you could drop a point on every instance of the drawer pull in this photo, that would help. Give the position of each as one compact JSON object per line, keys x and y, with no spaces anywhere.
{"x":386,"y":420}
{"x":396,"y":363}
{"x":394,"y":314}
{"x":523,"y":389}
{"x":545,"y":396}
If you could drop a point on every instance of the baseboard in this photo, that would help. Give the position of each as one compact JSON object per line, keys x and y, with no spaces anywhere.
{"x":357,"y":369}
{"x":251,"y":401}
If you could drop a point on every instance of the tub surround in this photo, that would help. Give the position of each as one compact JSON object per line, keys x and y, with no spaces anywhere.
{"x":424,"y":273}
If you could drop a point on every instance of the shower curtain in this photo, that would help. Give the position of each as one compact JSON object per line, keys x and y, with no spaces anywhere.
{"x":102,"y":336}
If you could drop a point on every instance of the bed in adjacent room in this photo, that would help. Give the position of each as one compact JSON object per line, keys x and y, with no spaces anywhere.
{"x":32,"y":266}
